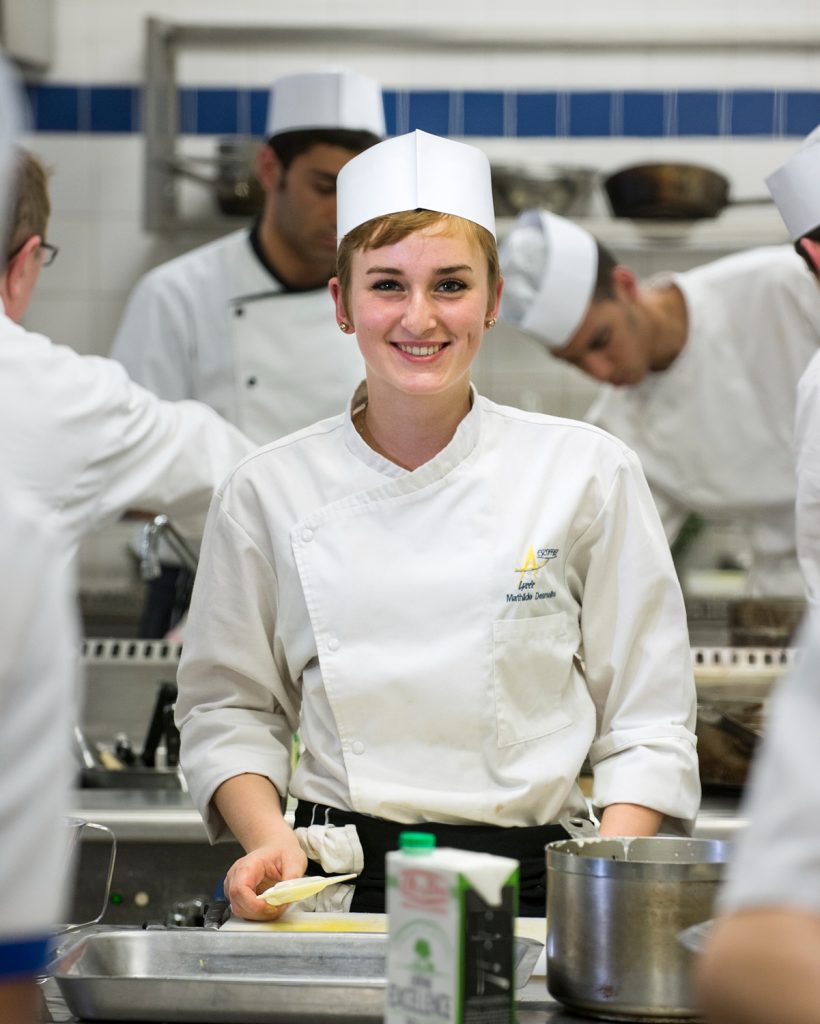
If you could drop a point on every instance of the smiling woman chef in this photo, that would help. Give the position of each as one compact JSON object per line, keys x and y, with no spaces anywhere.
{"x":452,"y":601}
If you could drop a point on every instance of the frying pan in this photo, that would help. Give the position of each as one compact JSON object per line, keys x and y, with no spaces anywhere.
{"x":670,"y":191}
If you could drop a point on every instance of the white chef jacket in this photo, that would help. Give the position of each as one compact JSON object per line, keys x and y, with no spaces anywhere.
{"x":38,"y":661}
{"x":714,"y":431}
{"x":776,"y":861}
{"x":807,"y":448}
{"x":89,"y":444}
{"x":183,"y":335}
{"x":425,"y":630}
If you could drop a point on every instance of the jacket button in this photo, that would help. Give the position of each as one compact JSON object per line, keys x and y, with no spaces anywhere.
{"x":357,"y":747}
{"x":307,"y":536}
{"x":239,"y":311}
{"x":251,"y":382}
{"x":333,"y":644}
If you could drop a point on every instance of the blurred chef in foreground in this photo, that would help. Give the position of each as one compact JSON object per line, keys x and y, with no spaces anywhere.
{"x":76,"y":433}
{"x":702,"y":366}
{"x":453,"y":602}
{"x":38,"y":644}
{"x":762,"y":963}
{"x":243,"y":323}
{"x":796,"y":190}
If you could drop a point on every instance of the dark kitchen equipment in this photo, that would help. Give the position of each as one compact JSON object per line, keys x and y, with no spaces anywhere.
{"x":162,"y":727}
{"x":231,"y":175}
{"x":560,"y":188}
{"x":728,"y":733}
{"x":764,"y":621}
{"x":238,"y":191}
{"x":614,"y":911}
{"x":670,"y":191}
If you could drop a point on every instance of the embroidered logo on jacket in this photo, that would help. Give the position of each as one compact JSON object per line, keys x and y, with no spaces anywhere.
{"x":532,"y":563}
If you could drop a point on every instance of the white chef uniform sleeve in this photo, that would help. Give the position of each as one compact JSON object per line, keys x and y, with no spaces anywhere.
{"x":776,"y":860}
{"x":237,"y":708}
{"x":807,"y":450}
{"x":142,"y":452}
{"x":637,"y":657}
{"x":155,"y":339}
{"x":38,"y":670}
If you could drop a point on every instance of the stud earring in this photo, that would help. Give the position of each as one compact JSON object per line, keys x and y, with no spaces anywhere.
{"x":344,"y":326}
{"x":490,"y":323}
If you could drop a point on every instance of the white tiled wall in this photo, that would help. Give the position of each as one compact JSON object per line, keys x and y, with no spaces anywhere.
{"x":97,"y":181}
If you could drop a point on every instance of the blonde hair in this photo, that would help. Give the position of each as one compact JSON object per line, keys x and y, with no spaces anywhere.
{"x":394,"y":227}
{"x":32,"y":206}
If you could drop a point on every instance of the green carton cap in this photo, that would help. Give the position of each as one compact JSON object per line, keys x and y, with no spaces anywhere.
{"x":420,"y":841}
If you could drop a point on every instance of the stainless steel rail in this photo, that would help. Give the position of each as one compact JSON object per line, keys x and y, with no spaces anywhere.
{"x":164,"y":39}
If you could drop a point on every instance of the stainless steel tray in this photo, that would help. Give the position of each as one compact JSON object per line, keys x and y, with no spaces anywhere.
{"x":208,"y":976}
{"x":205,"y":976}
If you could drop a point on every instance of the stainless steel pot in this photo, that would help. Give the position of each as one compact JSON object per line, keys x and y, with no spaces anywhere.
{"x":614,"y":911}
{"x":560,"y":188}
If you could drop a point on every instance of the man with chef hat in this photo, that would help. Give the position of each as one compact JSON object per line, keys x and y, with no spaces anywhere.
{"x":701,"y":370}
{"x":761,"y":960}
{"x":244,"y":323}
{"x":37,"y":661}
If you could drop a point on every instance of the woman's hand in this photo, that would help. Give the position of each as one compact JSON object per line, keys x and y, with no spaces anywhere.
{"x":252,"y":810}
{"x":257,"y":871}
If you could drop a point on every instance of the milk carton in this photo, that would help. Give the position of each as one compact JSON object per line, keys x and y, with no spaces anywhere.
{"x":451,"y":919}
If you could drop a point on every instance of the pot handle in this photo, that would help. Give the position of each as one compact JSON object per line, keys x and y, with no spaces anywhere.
{"x":108,"y":879}
{"x":579,"y":827}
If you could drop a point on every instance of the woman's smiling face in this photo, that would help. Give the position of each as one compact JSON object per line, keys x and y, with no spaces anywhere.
{"x":419,"y":308}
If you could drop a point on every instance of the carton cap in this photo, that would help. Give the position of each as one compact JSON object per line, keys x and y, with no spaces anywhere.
{"x":417,"y":842}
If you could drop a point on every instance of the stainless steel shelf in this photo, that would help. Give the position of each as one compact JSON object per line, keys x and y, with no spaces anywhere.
{"x":165,"y":39}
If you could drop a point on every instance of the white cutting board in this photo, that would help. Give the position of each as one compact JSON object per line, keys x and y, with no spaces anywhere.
{"x":302,"y":921}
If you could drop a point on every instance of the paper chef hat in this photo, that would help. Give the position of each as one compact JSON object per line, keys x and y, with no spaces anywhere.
{"x":795,"y":188}
{"x":415,"y":172}
{"x":567,"y":281}
{"x":332,"y":98}
{"x":10,"y":125}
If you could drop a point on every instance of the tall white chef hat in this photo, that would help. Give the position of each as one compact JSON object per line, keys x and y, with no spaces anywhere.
{"x":567,"y":278}
{"x":10,"y":126}
{"x":415,"y":172}
{"x":330,"y":98}
{"x":795,"y":187}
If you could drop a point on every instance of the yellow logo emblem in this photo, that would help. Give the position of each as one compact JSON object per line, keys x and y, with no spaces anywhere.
{"x":534,"y":561}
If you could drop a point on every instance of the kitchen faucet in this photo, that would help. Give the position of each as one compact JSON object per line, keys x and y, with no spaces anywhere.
{"x":161,"y":526}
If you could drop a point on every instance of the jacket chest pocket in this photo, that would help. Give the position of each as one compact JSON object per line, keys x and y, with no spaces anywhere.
{"x":532,"y":671}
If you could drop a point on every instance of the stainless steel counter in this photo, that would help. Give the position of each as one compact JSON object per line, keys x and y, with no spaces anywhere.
{"x":536,"y":1006}
{"x":168,"y":816}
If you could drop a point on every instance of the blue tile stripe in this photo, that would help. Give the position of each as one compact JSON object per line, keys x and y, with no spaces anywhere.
{"x":638,"y":113}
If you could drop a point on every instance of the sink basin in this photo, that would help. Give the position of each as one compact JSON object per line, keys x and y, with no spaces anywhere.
{"x":130,"y":778}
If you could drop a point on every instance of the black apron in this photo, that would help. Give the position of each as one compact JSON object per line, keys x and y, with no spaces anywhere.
{"x":378,"y":837}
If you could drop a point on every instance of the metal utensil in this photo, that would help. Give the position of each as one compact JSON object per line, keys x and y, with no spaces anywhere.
{"x":671,"y":191}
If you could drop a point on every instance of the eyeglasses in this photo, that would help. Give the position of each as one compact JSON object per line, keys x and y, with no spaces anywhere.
{"x":49,"y":253}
